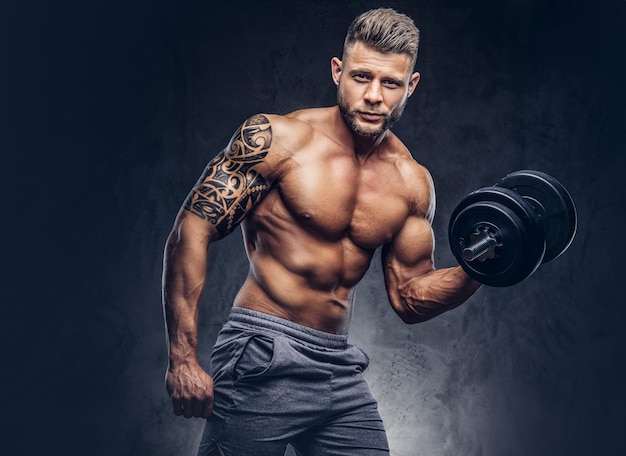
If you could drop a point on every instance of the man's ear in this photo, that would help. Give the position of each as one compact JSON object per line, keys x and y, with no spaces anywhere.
{"x":415,"y":78}
{"x":335,"y":68}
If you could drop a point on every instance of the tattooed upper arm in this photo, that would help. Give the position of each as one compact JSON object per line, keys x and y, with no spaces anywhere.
{"x":232,"y":184}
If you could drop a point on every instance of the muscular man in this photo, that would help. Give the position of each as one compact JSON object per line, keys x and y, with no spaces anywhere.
{"x":316,"y":192}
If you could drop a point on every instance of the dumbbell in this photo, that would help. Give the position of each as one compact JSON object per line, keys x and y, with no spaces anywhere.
{"x":501,"y":234}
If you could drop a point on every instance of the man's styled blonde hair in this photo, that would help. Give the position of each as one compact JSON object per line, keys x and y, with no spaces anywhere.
{"x":386,"y":30}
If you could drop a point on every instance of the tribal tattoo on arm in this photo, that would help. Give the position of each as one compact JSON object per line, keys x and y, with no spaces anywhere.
{"x":230,"y":185}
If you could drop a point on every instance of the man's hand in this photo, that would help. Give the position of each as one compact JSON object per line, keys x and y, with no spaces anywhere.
{"x":191,"y":390}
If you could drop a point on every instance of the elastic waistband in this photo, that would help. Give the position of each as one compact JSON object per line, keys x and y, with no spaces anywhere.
{"x":289,"y":328}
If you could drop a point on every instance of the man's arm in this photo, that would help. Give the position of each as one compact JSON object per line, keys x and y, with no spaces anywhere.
{"x":417,"y":291}
{"x":184,"y":269}
{"x":233,"y":183}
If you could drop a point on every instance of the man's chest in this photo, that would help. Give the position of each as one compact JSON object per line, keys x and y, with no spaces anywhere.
{"x":338,"y":197}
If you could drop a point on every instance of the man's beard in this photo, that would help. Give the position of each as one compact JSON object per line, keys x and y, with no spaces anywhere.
{"x":350,"y":117}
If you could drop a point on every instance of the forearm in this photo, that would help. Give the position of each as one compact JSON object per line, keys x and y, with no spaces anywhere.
{"x":424,"y":297}
{"x":184,"y":270}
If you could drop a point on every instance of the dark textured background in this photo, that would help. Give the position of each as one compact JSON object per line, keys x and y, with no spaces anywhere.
{"x":112,"y":108}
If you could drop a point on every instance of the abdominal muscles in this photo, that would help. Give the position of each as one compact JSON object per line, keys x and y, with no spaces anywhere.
{"x":300,"y":269}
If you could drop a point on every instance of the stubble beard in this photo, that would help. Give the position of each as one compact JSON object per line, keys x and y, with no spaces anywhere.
{"x":349,"y":115}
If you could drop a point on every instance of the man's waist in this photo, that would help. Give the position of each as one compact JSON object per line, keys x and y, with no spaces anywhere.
{"x":262,"y":321}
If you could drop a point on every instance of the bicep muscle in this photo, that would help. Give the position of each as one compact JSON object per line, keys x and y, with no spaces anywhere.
{"x":412,"y":248}
{"x":233,"y":182}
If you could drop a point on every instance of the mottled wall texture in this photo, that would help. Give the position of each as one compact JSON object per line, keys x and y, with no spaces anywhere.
{"x":112,"y":108}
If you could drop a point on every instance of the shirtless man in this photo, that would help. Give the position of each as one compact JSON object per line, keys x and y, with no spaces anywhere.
{"x":316,"y":192}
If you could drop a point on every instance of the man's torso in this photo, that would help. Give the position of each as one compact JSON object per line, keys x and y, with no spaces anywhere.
{"x":312,"y":237}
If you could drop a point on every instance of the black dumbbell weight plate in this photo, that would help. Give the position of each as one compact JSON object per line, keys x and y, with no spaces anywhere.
{"x":503,"y":213}
{"x":553,"y":204}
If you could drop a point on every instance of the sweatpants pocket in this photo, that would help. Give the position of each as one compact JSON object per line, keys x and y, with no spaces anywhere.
{"x":255,"y":358}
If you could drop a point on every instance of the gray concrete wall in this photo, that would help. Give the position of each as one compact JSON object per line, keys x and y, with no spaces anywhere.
{"x":112,"y":110}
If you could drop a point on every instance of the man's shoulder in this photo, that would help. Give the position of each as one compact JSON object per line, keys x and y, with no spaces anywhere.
{"x":298,"y":128}
{"x":303,"y":118}
{"x":406,"y":162}
{"x":419,"y":182}
{"x":283,"y":136}
{"x":311,"y":115}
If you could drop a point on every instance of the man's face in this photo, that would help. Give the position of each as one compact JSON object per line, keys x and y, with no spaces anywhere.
{"x":372,"y":88}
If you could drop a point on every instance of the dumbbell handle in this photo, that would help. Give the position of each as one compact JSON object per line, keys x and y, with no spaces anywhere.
{"x":482,"y":247}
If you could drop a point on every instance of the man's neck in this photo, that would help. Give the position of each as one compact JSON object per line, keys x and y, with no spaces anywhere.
{"x":363,"y":146}
{"x":366,"y":146}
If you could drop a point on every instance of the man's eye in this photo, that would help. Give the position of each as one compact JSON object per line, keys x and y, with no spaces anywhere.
{"x":391,"y":84}
{"x":361,"y":77}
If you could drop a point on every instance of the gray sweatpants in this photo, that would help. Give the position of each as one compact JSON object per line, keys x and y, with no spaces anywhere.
{"x":279,"y":383}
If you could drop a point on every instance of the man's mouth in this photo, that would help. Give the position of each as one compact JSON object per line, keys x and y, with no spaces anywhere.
{"x":370,"y":116}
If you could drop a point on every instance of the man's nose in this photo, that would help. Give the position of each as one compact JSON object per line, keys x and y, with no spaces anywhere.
{"x":374,"y":93}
